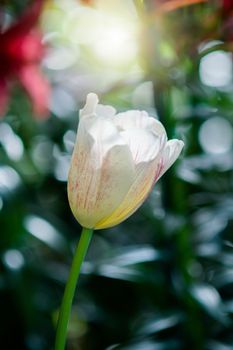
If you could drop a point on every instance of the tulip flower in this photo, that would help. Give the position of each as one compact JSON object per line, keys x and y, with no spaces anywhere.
{"x":116,"y":161}
{"x":21,"y":51}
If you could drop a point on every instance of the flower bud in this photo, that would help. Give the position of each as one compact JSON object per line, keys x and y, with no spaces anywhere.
{"x":116,"y":161}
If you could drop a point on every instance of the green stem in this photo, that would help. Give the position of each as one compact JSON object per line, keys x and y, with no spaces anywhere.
{"x":65,"y":309}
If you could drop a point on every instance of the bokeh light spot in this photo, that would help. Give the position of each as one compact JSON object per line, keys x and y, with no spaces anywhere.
{"x":62,"y":102}
{"x":44,"y":231}
{"x":9,"y":178}
{"x":216,"y":69}
{"x":13,"y":259}
{"x":216,"y":136}
{"x":12,"y":144}
{"x":69,"y":140}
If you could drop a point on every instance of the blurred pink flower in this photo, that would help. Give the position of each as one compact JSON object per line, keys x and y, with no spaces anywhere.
{"x":171,"y":5}
{"x":227,"y":6}
{"x":227,"y":15}
{"x":87,"y":2}
{"x":21,"y":51}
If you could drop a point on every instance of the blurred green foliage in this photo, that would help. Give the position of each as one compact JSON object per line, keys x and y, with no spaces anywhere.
{"x":163,"y":279}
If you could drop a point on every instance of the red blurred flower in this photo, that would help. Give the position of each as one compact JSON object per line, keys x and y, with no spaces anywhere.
{"x":170,"y":5}
{"x":87,"y":2}
{"x":227,"y":16}
{"x":21,"y":51}
{"x":227,"y":6}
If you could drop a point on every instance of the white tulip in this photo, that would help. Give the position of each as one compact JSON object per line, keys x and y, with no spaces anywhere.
{"x":116,"y":161}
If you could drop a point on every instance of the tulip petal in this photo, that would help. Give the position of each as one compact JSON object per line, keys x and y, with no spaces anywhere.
{"x":141,"y":187}
{"x":143,"y":144}
{"x":90,"y":106}
{"x":101,"y":173}
{"x":105,"y":111}
{"x":147,"y":173}
{"x":171,"y":152}
{"x":138,"y":119}
{"x":146,"y":149}
{"x":93,"y":108}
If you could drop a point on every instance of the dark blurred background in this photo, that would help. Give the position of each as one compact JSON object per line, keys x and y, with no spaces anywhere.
{"x":163,"y":279}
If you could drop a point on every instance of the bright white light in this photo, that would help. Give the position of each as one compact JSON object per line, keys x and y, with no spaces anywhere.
{"x":116,"y":43}
{"x":216,"y":69}
{"x":109,"y":33}
{"x":216,"y":136}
